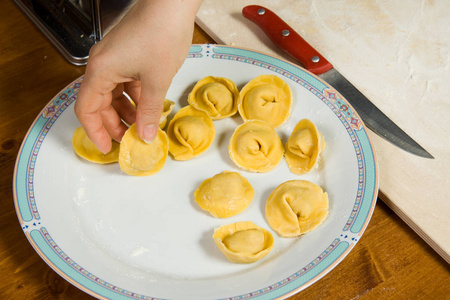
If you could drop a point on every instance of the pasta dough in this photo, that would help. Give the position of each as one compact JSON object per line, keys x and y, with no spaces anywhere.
{"x":139,"y":158}
{"x":255,"y":146}
{"x":243,"y":242}
{"x":217,"y":96}
{"x":167,"y":109}
{"x":190,"y":132}
{"x":296,"y":207}
{"x":267,"y":98}
{"x":303,"y":147}
{"x":86,"y":149}
{"x":225,"y":194}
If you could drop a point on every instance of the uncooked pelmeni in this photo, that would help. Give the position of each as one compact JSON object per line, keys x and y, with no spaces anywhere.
{"x":243,"y":242}
{"x":190,"y":132}
{"x":167,"y":109}
{"x":217,"y":96}
{"x":303,"y":147}
{"x":296,"y":207}
{"x":267,"y":98}
{"x":255,"y":146}
{"x":224,"y":195}
{"x":139,"y":158}
{"x":86,"y":149}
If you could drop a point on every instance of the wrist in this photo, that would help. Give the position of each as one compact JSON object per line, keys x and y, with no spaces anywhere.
{"x":182,"y":11}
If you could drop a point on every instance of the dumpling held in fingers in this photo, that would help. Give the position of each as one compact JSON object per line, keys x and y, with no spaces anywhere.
{"x":138,"y":158}
{"x":86,"y":149}
{"x":296,"y":207}
{"x":267,"y":98}
{"x":167,"y":109}
{"x":255,"y":146}
{"x":303,"y":147}
{"x":190,"y":132}
{"x":217,"y":96}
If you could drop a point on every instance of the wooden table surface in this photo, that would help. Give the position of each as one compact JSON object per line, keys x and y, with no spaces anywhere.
{"x":389,"y":262}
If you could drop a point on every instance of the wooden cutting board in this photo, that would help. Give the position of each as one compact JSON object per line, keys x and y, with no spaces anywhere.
{"x":398,"y":54}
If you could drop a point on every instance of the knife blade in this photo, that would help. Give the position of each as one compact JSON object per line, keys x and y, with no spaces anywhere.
{"x":293,"y":44}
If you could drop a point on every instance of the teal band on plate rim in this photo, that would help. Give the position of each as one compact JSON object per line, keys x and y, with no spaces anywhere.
{"x":34,"y":228}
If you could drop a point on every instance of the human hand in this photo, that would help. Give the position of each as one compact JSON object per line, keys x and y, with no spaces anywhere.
{"x":140,"y":56}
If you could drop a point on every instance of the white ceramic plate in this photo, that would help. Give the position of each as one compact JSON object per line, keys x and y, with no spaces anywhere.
{"x":124,"y":237}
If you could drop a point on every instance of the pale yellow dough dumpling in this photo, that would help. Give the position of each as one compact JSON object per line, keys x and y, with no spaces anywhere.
{"x":217,"y":96}
{"x":224,"y":195}
{"x":296,"y":207}
{"x":303,"y":147}
{"x":167,"y":109}
{"x":138,"y":158}
{"x":267,"y":98}
{"x":86,"y":149}
{"x":190,"y":132}
{"x":243,"y":242}
{"x":255,"y":146}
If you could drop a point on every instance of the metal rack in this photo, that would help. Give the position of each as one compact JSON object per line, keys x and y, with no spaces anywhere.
{"x":74,"y":26}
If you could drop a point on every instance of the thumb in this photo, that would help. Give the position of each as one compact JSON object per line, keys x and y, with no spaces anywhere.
{"x":148,"y":115}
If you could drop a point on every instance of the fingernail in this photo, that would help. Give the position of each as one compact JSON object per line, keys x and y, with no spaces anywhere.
{"x":149,"y":133}
{"x":102,"y":150}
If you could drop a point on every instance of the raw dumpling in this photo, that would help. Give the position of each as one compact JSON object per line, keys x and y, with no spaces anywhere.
{"x":255,"y":146}
{"x":224,"y":195}
{"x":217,"y":96}
{"x":296,"y":207}
{"x":243,"y":242}
{"x":167,"y":108}
{"x":139,"y":158}
{"x":190,"y":132}
{"x":267,"y":98}
{"x":303,"y":147}
{"x":86,"y":149}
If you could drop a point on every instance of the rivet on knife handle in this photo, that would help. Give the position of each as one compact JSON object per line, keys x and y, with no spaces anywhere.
{"x":286,"y":38}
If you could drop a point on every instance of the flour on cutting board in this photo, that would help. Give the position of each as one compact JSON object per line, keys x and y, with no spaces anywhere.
{"x":398,"y":54}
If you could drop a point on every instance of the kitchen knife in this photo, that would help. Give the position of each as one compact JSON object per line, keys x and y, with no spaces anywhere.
{"x":292,"y":43}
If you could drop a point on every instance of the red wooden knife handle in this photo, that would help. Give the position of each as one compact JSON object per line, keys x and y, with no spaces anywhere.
{"x":287,"y":38}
